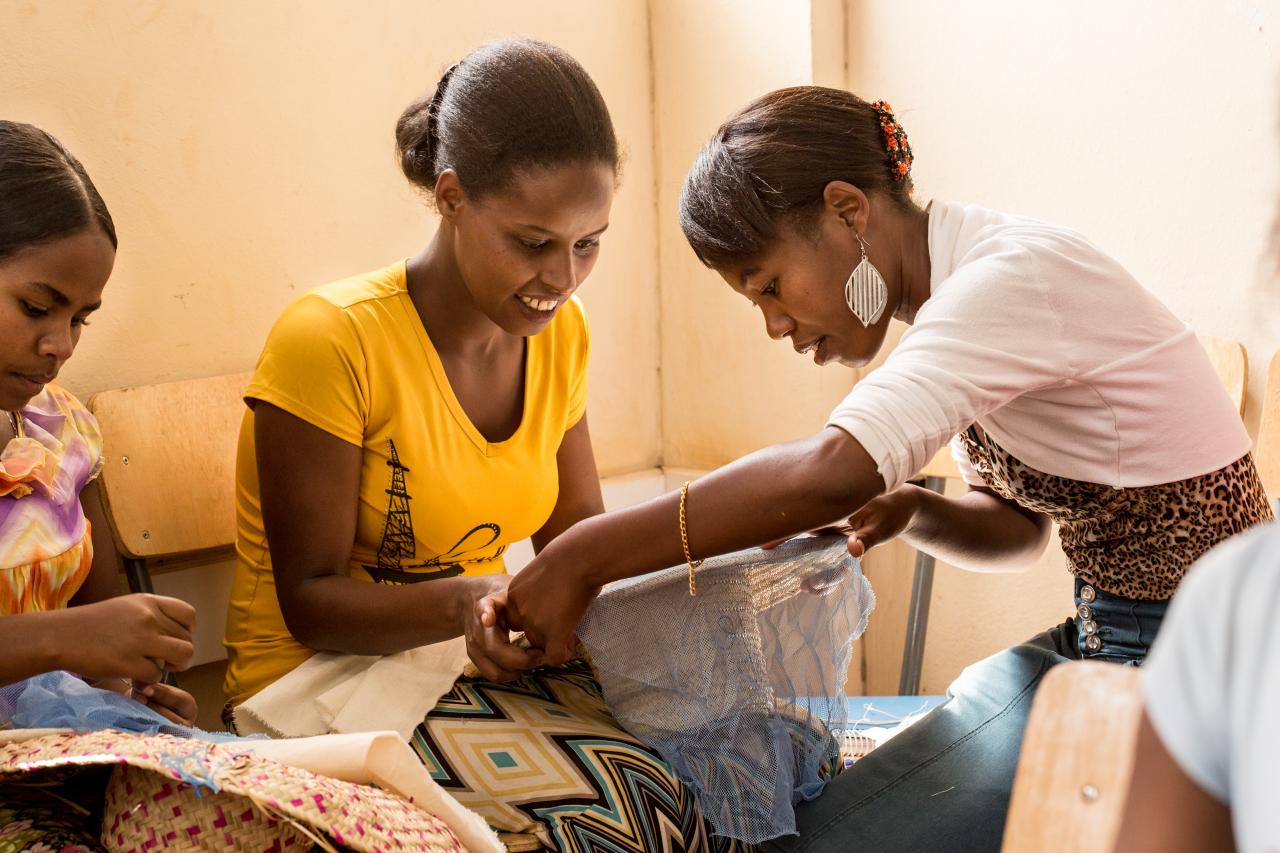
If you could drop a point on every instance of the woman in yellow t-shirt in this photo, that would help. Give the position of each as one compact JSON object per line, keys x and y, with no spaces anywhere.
{"x":407,"y":425}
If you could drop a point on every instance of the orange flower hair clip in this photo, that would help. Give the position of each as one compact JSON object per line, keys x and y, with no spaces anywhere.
{"x":895,"y":141}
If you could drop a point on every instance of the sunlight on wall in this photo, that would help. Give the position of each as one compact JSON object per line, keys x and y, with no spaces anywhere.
{"x":246,"y":151}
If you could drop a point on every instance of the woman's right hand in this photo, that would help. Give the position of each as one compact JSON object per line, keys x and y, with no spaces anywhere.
{"x":548,"y":598}
{"x":488,"y":634}
{"x":137,"y":636}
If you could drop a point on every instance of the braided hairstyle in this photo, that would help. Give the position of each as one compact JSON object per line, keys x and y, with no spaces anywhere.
{"x":45,"y":193}
{"x":772,"y":161}
{"x":508,"y":106}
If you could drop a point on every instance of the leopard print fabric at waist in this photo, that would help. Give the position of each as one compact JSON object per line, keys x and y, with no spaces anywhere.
{"x":1138,"y":542}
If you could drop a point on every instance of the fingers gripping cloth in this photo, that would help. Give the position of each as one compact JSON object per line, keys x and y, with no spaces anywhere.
{"x":739,"y":688}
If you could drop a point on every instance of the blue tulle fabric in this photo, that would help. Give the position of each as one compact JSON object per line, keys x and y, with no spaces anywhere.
{"x":741,"y":687}
{"x":60,"y":700}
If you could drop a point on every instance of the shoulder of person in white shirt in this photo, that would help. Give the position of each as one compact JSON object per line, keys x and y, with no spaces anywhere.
{"x":1208,"y":744}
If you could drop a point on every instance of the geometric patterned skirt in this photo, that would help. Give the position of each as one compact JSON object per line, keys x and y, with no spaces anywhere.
{"x":546,"y":764}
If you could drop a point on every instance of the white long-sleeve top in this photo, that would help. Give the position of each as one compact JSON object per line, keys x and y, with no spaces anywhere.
{"x":1055,"y":351}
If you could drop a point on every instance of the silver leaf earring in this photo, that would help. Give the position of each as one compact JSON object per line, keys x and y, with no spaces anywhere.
{"x":865,"y":291}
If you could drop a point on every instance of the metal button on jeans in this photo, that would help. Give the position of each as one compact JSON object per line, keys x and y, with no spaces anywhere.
{"x":1090,"y":627}
{"x":1088,"y":593}
{"x":1085,"y":611}
{"x":1093,"y":642}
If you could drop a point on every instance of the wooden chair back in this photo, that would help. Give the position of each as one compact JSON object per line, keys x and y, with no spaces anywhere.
{"x":1267,"y":448}
{"x":168,"y":482}
{"x":1232,"y":364}
{"x":1077,"y":757}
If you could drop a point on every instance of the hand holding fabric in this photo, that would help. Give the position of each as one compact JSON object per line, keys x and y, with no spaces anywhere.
{"x":882,"y":519}
{"x":487,"y":631}
{"x":547,"y":600}
{"x":137,"y":636}
{"x":173,"y":703}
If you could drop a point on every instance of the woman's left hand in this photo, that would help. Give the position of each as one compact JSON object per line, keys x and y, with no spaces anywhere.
{"x":174,"y":704}
{"x":547,"y":599}
{"x":171,"y":702}
{"x":882,"y":519}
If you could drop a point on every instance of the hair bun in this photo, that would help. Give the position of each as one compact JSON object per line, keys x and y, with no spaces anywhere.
{"x":417,"y":136}
{"x":505,"y":107}
{"x":412,"y":143}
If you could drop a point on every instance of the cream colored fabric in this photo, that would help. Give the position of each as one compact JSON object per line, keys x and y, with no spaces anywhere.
{"x":383,"y":759}
{"x":331,"y":693}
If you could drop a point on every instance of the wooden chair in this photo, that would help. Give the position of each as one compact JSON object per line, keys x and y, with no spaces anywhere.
{"x":1077,"y":757}
{"x":1266,"y":449}
{"x":1232,"y":365}
{"x":168,"y":482}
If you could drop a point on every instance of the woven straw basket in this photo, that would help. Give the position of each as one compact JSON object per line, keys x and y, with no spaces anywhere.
{"x":174,"y":794}
{"x":149,"y":811}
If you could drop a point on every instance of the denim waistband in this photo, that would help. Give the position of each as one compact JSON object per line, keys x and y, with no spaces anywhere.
{"x":1115,"y":629}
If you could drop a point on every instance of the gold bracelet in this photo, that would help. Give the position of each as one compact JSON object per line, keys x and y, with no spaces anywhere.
{"x":684,"y":541}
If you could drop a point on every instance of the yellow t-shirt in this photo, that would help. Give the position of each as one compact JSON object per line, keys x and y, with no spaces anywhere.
{"x":436,"y":499}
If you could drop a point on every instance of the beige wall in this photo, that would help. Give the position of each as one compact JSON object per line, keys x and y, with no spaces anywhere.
{"x":246,"y":152}
{"x":1152,"y":129}
{"x":727,"y":389}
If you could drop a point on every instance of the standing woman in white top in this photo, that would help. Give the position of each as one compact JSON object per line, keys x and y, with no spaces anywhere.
{"x":1068,"y":392}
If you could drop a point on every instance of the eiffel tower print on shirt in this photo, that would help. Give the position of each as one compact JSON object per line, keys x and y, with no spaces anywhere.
{"x":398,"y":549}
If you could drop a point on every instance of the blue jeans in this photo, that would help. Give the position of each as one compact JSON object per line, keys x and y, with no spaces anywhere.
{"x":944,"y":783}
{"x":1114,"y":629}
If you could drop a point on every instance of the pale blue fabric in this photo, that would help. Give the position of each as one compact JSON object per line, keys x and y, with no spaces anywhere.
{"x":60,"y":700}
{"x":741,"y":687}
